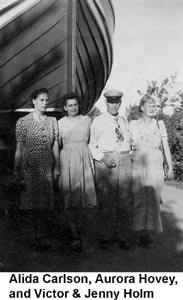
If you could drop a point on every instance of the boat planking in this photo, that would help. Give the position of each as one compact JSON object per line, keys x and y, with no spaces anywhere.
{"x":63,"y":45}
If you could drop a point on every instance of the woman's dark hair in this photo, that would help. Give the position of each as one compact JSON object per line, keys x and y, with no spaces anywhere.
{"x":36,"y":93}
{"x":71,"y":96}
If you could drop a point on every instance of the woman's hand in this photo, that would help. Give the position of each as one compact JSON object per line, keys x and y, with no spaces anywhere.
{"x":17,"y":175}
{"x":56,"y":172}
{"x":169,"y":174}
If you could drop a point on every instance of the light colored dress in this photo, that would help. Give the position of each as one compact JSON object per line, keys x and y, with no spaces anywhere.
{"x":37,"y":161}
{"x":148,"y":174}
{"x":77,"y":174}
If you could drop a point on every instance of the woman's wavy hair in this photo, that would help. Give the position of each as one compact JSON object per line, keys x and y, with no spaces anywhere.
{"x":146,"y":99}
{"x":36,"y":93}
{"x":71,"y":96}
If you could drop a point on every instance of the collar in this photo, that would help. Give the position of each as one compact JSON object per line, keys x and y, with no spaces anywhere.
{"x":141,"y":121}
{"x":111,"y":116}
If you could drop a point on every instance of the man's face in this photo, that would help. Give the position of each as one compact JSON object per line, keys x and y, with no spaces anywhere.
{"x":113,"y":108}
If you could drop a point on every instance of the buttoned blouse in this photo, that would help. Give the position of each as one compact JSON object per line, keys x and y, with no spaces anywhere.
{"x":103,"y":137}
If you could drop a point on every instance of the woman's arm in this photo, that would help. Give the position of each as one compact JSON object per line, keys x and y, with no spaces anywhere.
{"x":17,"y":158}
{"x":60,"y":140}
{"x":166,"y":149}
{"x":168,"y":157}
{"x":56,"y":172}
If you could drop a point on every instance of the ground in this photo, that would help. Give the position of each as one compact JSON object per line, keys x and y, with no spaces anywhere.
{"x":166,"y":256}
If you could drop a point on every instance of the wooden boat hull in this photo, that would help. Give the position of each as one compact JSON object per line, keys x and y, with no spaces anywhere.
{"x":64,"y":45}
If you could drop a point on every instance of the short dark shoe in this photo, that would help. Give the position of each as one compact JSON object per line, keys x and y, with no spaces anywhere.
{"x":40,"y":244}
{"x":145,"y":241}
{"x":125,"y":245}
{"x":149,"y":242}
{"x":77,"y":245}
{"x":104,"y":244}
{"x":141,"y":240}
{"x":34,"y":245}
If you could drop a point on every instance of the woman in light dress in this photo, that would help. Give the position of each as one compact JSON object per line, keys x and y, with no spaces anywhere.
{"x":76,"y":166}
{"x":149,"y":141}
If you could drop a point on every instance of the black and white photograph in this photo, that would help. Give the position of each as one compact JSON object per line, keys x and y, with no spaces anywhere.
{"x":91,"y":136}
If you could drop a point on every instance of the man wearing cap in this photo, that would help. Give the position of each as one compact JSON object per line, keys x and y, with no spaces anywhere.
{"x":110,"y":146}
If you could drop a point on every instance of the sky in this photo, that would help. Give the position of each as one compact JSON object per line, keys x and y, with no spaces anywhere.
{"x":148,"y":45}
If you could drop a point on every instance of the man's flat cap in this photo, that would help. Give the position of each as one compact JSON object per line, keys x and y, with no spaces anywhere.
{"x":113,"y":95}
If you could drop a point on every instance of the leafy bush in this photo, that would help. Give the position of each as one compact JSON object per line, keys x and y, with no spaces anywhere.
{"x":175,"y":133}
{"x":94,"y":112}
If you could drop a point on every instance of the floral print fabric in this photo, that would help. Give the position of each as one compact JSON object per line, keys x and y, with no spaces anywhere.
{"x":37,"y":161}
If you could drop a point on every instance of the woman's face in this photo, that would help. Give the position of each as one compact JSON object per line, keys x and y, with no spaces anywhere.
{"x":149,"y":109}
{"x":41,"y":102}
{"x":72,"y":107}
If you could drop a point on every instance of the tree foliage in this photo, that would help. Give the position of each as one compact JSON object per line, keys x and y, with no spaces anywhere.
{"x":133,"y":113}
{"x":162,"y":92}
{"x":175,"y":132}
{"x":94,"y":112}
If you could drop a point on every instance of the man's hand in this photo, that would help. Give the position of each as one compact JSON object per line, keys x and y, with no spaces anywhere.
{"x":109,"y":160}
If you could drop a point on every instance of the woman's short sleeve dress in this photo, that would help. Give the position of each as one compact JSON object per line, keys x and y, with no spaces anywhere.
{"x":37,"y":161}
{"x":77,"y":176}
{"x":148,"y":175}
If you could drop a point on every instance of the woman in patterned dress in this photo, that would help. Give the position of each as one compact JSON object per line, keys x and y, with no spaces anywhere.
{"x":37,"y":161}
{"x":76,"y":167}
{"x":148,"y":137}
